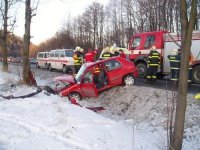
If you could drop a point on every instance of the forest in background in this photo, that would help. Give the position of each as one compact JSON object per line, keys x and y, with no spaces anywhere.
{"x":100,"y":26}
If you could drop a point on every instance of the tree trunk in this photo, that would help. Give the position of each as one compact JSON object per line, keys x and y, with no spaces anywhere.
{"x":5,"y":35}
{"x":26,"y":65}
{"x":187,"y":29}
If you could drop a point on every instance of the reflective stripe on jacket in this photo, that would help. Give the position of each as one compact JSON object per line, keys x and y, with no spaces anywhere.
{"x":153,"y":58}
{"x":106,"y":55}
{"x":78,"y":58}
{"x":174,"y":61}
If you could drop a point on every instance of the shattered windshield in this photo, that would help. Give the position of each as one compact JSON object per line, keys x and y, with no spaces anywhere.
{"x":80,"y":73}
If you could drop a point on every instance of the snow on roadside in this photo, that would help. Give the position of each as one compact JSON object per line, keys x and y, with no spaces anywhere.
{"x":50,"y":122}
{"x":147,"y":107}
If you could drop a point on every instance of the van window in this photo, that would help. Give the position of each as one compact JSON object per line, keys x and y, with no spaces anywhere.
{"x":40,"y":55}
{"x":51,"y":54}
{"x":57,"y":53}
{"x":45,"y":55}
{"x":150,"y":41}
{"x":62,"y":54}
{"x":136,"y":42}
{"x":69,"y":53}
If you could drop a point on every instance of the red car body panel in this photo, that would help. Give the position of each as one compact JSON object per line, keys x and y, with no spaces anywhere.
{"x":114,"y":77}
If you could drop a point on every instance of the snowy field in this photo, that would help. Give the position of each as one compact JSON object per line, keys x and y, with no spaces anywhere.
{"x":135,"y":119}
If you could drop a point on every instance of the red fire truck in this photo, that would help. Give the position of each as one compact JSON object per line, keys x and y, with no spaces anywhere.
{"x":165,"y":42}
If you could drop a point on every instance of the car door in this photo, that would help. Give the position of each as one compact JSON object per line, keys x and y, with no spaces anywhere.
{"x":87,"y":85}
{"x":114,"y":73}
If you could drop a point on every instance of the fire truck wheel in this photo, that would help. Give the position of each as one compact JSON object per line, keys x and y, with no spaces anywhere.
{"x":76,"y":96}
{"x":129,"y":80}
{"x":196,"y":74}
{"x":64,"y":69}
{"x":142,"y":70}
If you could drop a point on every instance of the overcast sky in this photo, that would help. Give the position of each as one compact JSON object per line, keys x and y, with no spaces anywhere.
{"x":50,"y":17}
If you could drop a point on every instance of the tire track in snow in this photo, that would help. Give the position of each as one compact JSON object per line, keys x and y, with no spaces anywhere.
{"x":52,"y":132}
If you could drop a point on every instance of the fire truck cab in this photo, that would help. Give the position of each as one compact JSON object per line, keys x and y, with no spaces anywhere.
{"x":165,"y":42}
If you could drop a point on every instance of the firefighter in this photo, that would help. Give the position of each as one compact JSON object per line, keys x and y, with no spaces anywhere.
{"x":90,"y":56}
{"x":78,"y":58}
{"x":96,"y":74}
{"x":100,"y":76}
{"x":153,"y":61}
{"x":175,"y":59}
{"x":107,"y":54}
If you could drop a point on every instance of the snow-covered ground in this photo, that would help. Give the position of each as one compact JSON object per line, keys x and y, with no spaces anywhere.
{"x":135,"y":119}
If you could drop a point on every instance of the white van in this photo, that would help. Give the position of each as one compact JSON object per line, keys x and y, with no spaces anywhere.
{"x":41,"y":59}
{"x":61,"y":59}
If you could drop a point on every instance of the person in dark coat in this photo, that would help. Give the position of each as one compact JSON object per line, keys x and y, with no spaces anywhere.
{"x":153,"y":61}
{"x":107,"y":54}
{"x":174,"y":59}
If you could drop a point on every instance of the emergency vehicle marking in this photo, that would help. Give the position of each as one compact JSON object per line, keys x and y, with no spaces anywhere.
{"x":142,"y":51}
{"x":64,"y":61}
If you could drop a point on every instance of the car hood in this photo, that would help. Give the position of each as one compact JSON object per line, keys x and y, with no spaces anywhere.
{"x":65,"y":78}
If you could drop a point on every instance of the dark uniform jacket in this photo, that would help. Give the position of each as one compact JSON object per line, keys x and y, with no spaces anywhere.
{"x":106,"y":55}
{"x":153,"y":58}
{"x":174,"y":61}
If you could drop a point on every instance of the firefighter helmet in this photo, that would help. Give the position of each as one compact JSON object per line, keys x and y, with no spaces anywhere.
{"x":81,"y":50}
{"x":153,"y":47}
{"x":175,"y":51}
{"x":77,"y":48}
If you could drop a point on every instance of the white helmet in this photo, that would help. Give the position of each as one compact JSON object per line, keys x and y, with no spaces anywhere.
{"x":175,"y":51}
{"x":77,"y":48}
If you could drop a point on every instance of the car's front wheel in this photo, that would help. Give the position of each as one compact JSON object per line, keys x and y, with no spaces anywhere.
{"x":75,"y":96}
{"x":129,"y":80}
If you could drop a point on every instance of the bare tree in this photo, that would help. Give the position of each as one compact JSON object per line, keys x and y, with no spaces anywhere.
{"x":5,"y":6}
{"x":29,"y":13}
{"x":186,"y":36}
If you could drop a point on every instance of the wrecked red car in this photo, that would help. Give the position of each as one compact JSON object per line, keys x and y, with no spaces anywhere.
{"x":111,"y":72}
